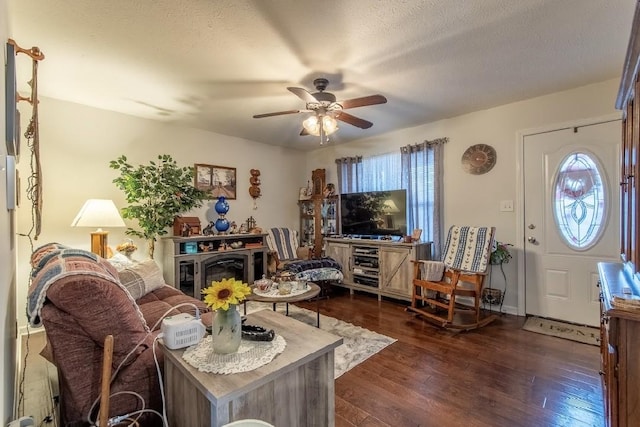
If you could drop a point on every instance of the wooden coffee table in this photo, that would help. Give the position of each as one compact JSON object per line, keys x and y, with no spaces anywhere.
{"x":295,"y":389}
{"x":312,"y":292}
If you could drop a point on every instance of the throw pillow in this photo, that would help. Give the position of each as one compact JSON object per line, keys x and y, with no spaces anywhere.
{"x":120,"y":262}
{"x":141,"y":278}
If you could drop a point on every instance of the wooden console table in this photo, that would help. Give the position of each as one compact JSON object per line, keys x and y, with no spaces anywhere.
{"x":295,"y":389}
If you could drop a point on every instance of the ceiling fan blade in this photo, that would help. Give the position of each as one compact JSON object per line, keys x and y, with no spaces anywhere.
{"x":353,"y":120}
{"x":302,"y":94}
{"x":278,"y":113}
{"x":364,"y":101}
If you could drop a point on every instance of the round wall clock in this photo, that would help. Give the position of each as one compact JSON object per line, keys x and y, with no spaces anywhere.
{"x":479,"y":159}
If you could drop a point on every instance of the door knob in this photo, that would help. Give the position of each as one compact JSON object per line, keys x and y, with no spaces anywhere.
{"x":532,"y":240}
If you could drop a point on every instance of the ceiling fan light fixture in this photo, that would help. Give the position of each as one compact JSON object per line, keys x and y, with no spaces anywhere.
{"x":329,"y":124}
{"x":312,"y":125}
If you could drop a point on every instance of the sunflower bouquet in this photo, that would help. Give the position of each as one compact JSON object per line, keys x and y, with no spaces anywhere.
{"x":227,"y":292}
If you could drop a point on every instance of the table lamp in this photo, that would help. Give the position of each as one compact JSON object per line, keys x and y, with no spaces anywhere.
{"x":98,"y":213}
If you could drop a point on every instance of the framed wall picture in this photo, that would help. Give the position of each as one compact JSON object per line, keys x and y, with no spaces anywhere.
{"x":216,"y":180}
{"x":11,"y":91}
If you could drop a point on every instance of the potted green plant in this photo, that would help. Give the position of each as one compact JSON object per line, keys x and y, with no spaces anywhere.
{"x":500,"y":253}
{"x":156,"y":193}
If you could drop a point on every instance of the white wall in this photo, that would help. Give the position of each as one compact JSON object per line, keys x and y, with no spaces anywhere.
{"x":471,"y":199}
{"x":7,"y":256}
{"x":77,"y":143}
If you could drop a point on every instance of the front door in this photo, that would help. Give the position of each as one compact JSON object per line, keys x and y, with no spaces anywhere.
{"x":571,"y":218}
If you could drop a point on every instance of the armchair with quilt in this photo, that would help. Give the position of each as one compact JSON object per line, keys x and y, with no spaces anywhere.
{"x":286,"y":255}
{"x":462,"y":272}
{"x":80,"y":298}
{"x":284,"y":248}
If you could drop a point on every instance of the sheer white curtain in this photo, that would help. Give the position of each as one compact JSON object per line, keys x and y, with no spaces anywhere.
{"x":422,"y":177}
{"x":416,"y":168}
{"x":349,"y":174}
{"x":375,"y":173}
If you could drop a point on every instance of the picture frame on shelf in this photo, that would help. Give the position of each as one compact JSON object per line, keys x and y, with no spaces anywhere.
{"x":217,"y":181}
{"x":304,"y":194}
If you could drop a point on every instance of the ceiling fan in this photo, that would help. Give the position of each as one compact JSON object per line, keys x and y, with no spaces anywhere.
{"x":327,"y":110}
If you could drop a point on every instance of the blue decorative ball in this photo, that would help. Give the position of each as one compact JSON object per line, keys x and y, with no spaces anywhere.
{"x":222,"y":225}
{"x":222,"y":206}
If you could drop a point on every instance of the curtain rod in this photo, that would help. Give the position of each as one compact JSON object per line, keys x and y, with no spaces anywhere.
{"x":427,"y":143}
{"x":35,"y":53}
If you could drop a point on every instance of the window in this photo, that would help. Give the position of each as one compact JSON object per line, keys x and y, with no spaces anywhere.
{"x":417,"y":168}
{"x":579,"y":201}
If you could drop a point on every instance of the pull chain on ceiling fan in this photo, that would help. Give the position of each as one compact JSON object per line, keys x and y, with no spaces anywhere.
{"x":326,"y":110}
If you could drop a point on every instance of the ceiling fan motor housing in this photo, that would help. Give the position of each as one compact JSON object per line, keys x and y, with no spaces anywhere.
{"x":324,"y":98}
{"x":320,"y":84}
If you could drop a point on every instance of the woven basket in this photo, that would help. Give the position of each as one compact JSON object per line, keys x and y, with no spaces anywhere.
{"x":491,"y":296}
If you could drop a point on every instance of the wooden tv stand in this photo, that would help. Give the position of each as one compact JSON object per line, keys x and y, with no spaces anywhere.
{"x":381,"y":267}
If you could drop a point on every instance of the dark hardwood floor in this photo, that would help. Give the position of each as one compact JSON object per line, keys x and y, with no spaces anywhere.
{"x":500,"y":375}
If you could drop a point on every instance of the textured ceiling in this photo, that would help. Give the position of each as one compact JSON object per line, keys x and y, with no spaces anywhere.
{"x":213,"y":64}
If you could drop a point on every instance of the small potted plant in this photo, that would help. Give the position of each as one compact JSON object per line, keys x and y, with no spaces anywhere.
{"x":500,"y":253}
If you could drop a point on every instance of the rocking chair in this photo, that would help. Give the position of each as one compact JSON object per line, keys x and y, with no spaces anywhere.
{"x":462,"y":272}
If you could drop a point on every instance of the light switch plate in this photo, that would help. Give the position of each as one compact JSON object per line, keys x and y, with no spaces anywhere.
{"x":506,"y":206}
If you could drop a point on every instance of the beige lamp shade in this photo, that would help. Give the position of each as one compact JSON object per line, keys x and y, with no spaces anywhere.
{"x":98,"y":213}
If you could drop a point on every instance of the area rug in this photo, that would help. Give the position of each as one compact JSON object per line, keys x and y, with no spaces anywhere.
{"x":569,"y":331}
{"x":358,"y":344}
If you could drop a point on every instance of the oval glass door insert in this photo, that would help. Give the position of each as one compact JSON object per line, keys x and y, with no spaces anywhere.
{"x":579,"y":200}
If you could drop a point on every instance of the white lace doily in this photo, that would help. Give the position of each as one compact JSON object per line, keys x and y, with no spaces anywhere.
{"x":250,"y":355}
{"x":274,"y":293}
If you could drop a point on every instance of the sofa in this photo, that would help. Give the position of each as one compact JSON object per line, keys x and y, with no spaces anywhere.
{"x":81,"y":298}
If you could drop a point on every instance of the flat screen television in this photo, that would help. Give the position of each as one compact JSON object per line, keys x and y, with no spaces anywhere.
{"x":374,"y":214}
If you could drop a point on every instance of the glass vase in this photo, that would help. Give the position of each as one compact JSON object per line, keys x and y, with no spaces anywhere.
{"x":226,"y":330}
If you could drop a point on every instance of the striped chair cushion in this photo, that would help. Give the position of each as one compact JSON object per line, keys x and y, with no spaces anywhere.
{"x":468,"y":248}
{"x":284,"y":241}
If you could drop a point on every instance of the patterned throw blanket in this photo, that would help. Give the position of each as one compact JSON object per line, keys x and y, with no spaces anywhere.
{"x":54,"y":261}
{"x":468,"y":248}
{"x":310,"y":264}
